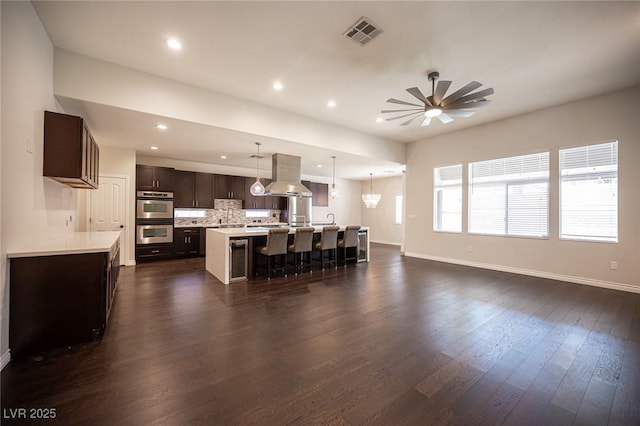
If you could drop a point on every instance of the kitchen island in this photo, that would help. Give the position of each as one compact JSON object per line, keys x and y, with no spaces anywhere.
{"x":230,"y":250}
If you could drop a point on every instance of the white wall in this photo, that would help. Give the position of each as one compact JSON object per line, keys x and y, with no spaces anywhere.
{"x":601,"y":119}
{"x":382,"y":219}
{"x":116,"y":162}
{"x":33,"y":207}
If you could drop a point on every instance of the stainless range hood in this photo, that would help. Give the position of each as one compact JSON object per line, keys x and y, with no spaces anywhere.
{"x":286,"y":177}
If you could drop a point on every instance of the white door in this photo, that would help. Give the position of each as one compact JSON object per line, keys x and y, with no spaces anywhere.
{"x":109,"y":209}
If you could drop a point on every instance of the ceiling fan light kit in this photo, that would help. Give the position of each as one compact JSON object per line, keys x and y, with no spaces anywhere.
{"x":437,"y":105}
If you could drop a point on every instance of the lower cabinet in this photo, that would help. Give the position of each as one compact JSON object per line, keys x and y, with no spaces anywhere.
{"x":186,"y":241}
{"x":60,"y":300}
{"x":150,"y":252}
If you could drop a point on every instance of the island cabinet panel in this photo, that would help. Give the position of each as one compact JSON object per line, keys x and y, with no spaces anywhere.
{"x":61,"y":300}
{"x":151,"y":178}
{"x":71,"y":154}
{"x":186,"y":242}
{"x":231,"y":187}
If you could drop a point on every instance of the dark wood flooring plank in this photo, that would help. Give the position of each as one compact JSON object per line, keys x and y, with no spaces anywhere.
{"x":396,"y":341}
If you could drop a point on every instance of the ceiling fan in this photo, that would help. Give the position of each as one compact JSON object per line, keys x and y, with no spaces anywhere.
{"x":456,"y":104}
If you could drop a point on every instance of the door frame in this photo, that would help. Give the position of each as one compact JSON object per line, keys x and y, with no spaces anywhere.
{"x":129,"y":236}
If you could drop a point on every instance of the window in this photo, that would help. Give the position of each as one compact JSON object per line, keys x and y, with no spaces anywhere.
{"x":398,"y":209}
{"x":447,"y":198}
{"x":589,"y":192}
{"x":510,"y":196}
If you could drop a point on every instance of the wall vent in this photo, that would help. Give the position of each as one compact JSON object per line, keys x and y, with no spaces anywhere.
{"x":363,"y":31}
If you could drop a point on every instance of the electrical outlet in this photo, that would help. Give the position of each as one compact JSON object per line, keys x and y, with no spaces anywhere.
{"x":613,"y":265}
{"x":411,"y":216}
{"x":28,"y":145}
{"x":469,"y":249}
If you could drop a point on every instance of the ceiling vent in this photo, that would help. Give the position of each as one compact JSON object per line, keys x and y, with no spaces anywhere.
{"x":363,"y":31}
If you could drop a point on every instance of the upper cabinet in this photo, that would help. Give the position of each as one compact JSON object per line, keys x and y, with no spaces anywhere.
{"x":150,"y":178}
{"x":71,"y":155}
{"x":226,"y":186}
{"x":193,"y":190}
{"x":320,"y":194}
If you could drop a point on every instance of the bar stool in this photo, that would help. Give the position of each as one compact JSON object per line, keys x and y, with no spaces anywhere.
{"x":276,"y":246}
{"x":302,"y":242}
{"x":328,"y":244}
{"x":349,"y":239}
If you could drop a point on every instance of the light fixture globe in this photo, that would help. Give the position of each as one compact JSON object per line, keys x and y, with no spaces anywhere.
{"x":257,"y":188}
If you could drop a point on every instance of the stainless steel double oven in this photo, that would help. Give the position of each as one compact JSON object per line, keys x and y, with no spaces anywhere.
{"x":154,"y":224}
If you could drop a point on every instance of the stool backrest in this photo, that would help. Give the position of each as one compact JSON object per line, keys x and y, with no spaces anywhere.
{"x":329,"y":237}
{"x":303,"y":239}
{"x":277,"y":241}
{"x":350,"y":236}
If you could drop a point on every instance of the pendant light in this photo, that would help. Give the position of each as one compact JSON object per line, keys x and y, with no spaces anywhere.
{"x":333,"y":192}
{"x":257,"y":188}
{"x":371,"y":199}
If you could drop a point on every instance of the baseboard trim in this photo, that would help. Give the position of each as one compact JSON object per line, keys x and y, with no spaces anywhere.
{"x":540,"y":274}
{"x":386,"y":242}
{"x":4,"y":360}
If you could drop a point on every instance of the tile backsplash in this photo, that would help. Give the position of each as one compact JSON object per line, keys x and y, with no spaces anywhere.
{"x":224,"y":211}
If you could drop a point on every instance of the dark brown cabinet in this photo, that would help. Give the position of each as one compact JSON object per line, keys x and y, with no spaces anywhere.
{"x":320,"y":194}
{"x":193,"y":190}
{"x":71,"y":154}
{"x":60,"y":300}
{"x":151,"y":178}
{"x":186,"y":241}
{"x":231,"y":187}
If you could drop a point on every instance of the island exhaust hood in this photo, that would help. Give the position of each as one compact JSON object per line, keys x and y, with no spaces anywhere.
{"x":286,"y":177}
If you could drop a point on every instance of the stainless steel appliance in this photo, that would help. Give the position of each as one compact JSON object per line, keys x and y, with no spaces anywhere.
{"x":154,"y":234}
{"x":153,"y":205}
{"x":299,"y":211}
{"x":362,"y":245}
{"x":238,"y":259}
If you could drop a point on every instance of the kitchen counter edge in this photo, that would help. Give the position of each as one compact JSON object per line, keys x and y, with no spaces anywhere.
{"x":74,"y":243}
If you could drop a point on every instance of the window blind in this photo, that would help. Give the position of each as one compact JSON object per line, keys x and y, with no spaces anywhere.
{"x":447,"y":198}
{"x":510,"y":196}
{"x":589,"y":192}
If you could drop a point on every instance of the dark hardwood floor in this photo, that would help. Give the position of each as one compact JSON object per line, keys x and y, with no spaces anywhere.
{"x":396,"y":341}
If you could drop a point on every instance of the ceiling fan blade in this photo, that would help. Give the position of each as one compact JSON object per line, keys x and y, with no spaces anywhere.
{"x":473,"y":96}
{"x":445,"y":118}
{"x":403,"y":116}
{"x":467,"y":105}
{"x":441,"y":89}
{"x":426,"y":122}
{"x":461,"y":92}
{"x":397,"y":101}
{"x":406,"y":123}
{"x":459,"y":113}
{"x":401,"y":110}
{"x":418,"y":94}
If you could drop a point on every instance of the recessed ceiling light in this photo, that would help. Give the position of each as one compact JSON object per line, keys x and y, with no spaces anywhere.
{"x":174,"y":44}
{"x":379,"y":120}
{"x":331,"y":103}
{"x":277,"y":85}
{"x":319,"y":165}
{"x":161,"y":126}
{"x":224,"y":157}
{"x":154,"y":148}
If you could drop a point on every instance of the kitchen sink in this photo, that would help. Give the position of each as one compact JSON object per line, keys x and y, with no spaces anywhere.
{"x":232,"y":225}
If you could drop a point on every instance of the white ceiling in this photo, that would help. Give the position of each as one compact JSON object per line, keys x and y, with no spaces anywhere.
{"x":534,"y":54}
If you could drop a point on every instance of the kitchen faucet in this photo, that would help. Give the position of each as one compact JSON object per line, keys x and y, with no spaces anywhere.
{"x":228,"y":211}
{"x":333,"y":217}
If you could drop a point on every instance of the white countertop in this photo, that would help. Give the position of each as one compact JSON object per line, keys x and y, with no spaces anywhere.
{"x":216,"y":225}
{"x":258,"y":231}
{"x":74,"y":243}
